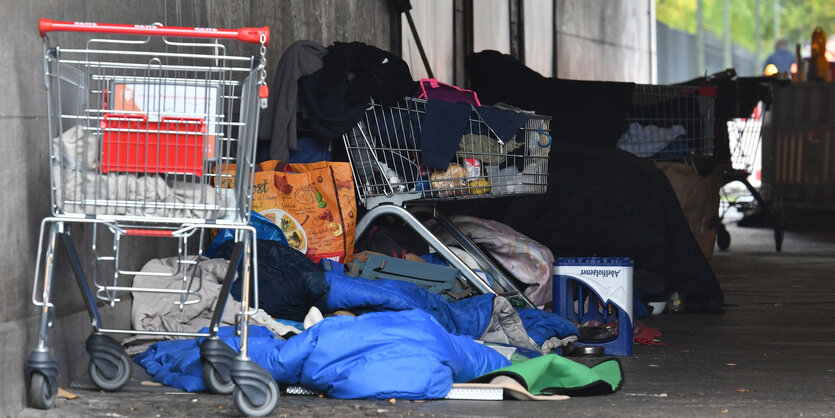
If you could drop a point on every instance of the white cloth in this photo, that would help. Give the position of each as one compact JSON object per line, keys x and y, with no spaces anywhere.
{"x":645,"y":141}
{"x":313,"y":317}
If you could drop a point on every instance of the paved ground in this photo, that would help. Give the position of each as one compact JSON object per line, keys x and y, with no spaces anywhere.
{"x":771,"y":354}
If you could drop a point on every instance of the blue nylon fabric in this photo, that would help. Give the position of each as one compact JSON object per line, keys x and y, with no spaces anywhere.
{"x":469,"y":317}
{"x":382,"y":355}
{"x":542,"y":325}
{"x":177,"y":363}
{"x":264,"y":229}
{"x":504,"y":123}
{"x":404,"y":355}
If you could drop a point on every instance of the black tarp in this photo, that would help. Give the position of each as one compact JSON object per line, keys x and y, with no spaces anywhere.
{"x":600,"y":200}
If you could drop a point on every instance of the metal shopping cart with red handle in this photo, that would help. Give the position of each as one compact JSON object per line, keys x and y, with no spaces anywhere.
{"x":745,"y":141}
{"x":140,"y":117}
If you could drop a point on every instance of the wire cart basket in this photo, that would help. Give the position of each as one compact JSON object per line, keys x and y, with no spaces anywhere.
{"x":745,"y":140}
{"x":140,"y":117}
{"x":670,"y":123}
{"x":388,"y":150}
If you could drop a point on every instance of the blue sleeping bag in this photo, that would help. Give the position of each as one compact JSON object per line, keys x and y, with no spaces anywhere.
{"x":469,"y":317}
{"x":382,"y":355}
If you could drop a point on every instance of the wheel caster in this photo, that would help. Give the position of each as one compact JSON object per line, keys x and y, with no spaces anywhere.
{"x":111,"y":380}
{"x":42,"y":371}
{"x":778,"y":237}
{"x":41,"y":396}
{"x":250,"y":408}
{"x":723,"y":238}
{"x":256,"y":392}
{"x":217,"y":361}
{"x":215,"y":382}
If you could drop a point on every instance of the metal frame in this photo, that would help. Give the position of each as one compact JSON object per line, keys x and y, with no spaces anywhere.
{"x":154,"y":167}
{"x":392,"y":179}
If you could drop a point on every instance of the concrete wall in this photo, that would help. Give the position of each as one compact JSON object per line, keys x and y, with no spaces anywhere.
{"x":24,"y":164}
{"x":606,"y":40}
{"x":596,"y":39}
{"x":677,"y":56}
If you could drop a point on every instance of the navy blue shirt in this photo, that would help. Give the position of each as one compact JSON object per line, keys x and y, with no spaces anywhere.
{"x":782,"y":59}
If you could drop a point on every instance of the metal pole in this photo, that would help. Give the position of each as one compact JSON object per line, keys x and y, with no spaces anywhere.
{"x":757,"y":48}
{"x":776,"y":20}
{"x":727,"y":57}
{"x":419,"y":44}
{"x":700,"y":40}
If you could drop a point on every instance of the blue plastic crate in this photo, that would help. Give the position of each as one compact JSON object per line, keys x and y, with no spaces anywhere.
{"x":597,"y":288}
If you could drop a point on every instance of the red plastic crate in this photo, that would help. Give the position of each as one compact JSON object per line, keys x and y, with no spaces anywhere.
{"x":133,"y":144}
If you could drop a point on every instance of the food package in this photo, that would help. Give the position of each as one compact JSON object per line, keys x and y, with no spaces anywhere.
{"x":451,"y":182}
{"x":313,"y":204}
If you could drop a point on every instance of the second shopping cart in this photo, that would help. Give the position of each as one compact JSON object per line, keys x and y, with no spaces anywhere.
{"x":407,"y":156}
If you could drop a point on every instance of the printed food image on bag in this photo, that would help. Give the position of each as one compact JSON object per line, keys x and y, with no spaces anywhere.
{"x":312,"y":203}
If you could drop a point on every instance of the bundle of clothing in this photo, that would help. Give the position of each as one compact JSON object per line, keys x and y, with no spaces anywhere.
{"x":329,"y":89}
{"x":399,"y":340}
{"x":385,"y":355}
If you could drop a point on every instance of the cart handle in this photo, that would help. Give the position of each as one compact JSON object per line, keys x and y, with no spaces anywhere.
{"x":127,"y":116}
{"x":136,"y":232}
{"x":250,"y":35}
{"x":182,"y":119}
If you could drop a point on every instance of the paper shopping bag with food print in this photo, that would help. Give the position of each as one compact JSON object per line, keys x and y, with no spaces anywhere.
{"x":313,"y":203}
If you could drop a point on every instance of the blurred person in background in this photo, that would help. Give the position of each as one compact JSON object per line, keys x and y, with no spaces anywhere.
{"x":781,"y":59}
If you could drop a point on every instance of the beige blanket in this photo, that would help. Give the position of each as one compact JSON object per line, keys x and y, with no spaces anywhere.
{"x":161,"y":312}
{"x":80,"y":187}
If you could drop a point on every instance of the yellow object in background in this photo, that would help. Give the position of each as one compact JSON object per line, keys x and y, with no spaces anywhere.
{"x":770,"y":70}
{"x":818,"y":66}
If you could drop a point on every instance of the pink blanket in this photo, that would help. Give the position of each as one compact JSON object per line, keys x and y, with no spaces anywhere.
{"x":525,"y":259}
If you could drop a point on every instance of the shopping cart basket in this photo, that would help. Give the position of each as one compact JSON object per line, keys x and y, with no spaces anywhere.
{"x":745,"y":140}
{"x":387,"y":154}
{"x":670,"y":123}
{"x":140,"y":117}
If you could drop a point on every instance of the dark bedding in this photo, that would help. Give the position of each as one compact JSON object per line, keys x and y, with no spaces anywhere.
{"x":600,"y":200}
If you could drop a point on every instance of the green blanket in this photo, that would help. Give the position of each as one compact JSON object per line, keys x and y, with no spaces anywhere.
{"x":551,"y":374}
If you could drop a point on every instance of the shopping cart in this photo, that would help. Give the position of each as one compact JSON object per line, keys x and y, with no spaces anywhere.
{"x":387,"y":153}
{"x":140,"y":117}
{"x":670,"y":123}
{"x":745,"y":140}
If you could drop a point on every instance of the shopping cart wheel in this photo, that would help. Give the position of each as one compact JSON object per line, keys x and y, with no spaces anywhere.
{"x":215,"y":381}
{"x":256,"y":392}
{"x":723,"y":238}
{"x":217,"y":361}
{"x":42,"y":371}
{"x":112,"y":377}
{"x":253,"y":409}
{"x":778,"y":236}
{"x":41,"y":395}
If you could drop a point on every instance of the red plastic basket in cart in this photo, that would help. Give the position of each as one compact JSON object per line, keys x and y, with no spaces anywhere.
{"x":133,"y":144}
